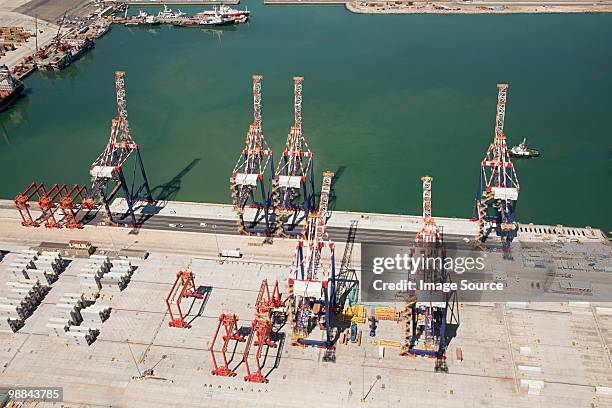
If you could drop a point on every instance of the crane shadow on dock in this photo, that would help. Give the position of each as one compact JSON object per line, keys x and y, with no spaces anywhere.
{"x":346,"y":283}
{"x":205,"y":291}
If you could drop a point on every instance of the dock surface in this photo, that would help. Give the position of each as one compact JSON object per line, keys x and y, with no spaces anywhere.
{"x":504,"y":347}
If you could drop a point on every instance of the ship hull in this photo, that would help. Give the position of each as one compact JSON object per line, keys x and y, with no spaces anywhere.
{"x":7,"y":101}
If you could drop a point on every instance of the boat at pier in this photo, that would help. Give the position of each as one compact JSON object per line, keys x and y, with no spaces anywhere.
{"x":10,"y":88}
{"x":215,"y":20}
{"x":100,"y":28}
{"x":64,"y":54}
{"x":238,"y":16}
{"x":167,"y":13}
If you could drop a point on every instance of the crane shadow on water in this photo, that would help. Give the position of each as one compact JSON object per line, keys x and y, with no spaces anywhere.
{"x":166,"y":192}
{"x":332,"y":193}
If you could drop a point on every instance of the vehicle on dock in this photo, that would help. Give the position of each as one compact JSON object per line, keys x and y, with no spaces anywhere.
{"x":10,"y":88}
{"x":523,"y":151}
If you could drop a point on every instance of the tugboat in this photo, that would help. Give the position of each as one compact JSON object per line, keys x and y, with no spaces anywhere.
{"x":10,"y":88}
{"x":522,"y":150}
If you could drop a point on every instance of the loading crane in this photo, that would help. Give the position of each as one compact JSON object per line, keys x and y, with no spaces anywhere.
{"x":428,"y":314}
{"x":49,"y":201}
{"x":182,"y":288}
{"x":249,"y":175}
{"x":312,"y":285}
{"x":498,"y":186}
{"x":293,"y":193}
{"x":22,"y":203}
{"x":107,"y":171}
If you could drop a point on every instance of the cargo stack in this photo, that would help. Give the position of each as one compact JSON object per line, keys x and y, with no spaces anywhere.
{"x":23,"y":298}
{"x":118,"y":277}
{"x":77,"y":320}
{"x":91,"y":274}
{"x":44,"y":267}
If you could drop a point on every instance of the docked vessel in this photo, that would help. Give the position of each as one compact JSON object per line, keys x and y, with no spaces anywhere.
{"x":10,"y":88}
{"x":167,"y":13}
{"x":523,"y":150}
{"x":64,"y":54}
{"x":215,"y":20}
{"x":237,"y":16}
{"x":100,"y":29}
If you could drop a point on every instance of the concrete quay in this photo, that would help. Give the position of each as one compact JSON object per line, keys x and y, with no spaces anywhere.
{"x":384,"y":224}
{"x":550,"y":355}
{"x":9,"y":17}
{"x":478,"y":7}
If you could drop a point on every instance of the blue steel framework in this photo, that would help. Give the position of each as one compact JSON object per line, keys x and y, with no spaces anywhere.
{"x":498,"y":186}
{"x":426,"y":321}
{"x":293,"y":191}
{"x":107,"y":171}
{"x":250,"y":174}
{"x":312,"y":287}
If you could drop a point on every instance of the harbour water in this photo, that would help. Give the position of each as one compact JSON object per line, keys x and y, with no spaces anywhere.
{"x":386,"y":100}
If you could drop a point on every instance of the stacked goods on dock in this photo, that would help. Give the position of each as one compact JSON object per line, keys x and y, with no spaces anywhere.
{"x":101,"y":273}
{"x":77,"y":319}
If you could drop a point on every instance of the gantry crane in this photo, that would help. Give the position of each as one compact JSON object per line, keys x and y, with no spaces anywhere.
{"x":48,"y":204}
{"x":293,"y":192}
{"x":427,"y":314}
{"x":49,"y":201}
{"x":498,"y":186}
{"x":22,"y":203}
{"x":182,"y":288}
{"x":249,"y":175}
{"x":312,"y":286}
{"x":107,"y":171}
{"x":267,"y":307}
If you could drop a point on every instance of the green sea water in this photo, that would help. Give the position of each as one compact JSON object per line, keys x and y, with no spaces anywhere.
{"x":387,"y":99}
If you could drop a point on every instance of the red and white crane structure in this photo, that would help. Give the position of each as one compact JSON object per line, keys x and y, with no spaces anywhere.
{"x":429,"y":231}
{"x":107,"y":171}
{"x":249,"y":175}
{"x":498,"y":186}
{"x":312,"y":296}
{"x":293,"y":192}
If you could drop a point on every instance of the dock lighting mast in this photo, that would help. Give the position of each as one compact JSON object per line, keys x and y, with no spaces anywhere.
{"x":312,"y":286}
{"x":249,"y":175}
{"x":498,"y":186}
{"x":107,"y":171}
{"x":293,"y":190}
{"x":427,"y":315}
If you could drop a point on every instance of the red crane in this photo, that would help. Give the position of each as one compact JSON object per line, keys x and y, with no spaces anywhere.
{"x":69,"y":208}
{"x":261,"y":329}
{"x":22,"y":203}
{"x":229,"y":322}
{"x":48,"y":204}
{"x":183,"y":287}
